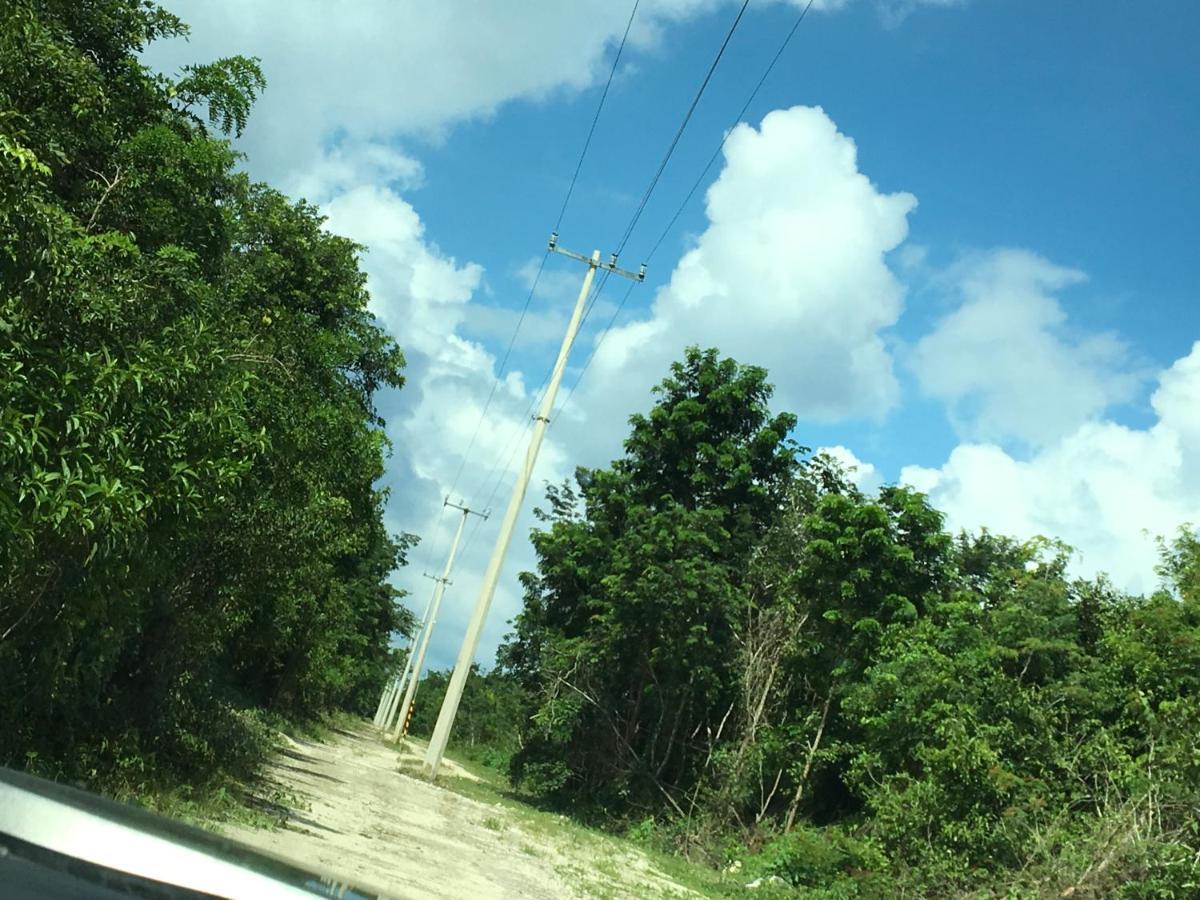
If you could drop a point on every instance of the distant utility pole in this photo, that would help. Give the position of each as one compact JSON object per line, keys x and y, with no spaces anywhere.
{"x":391,"y":694}
{"x":384,"y":698}
{"x":387,"y":703}
{"x":466,"y":655}
{"x":389,"y":708}
{"x":431,"y":619}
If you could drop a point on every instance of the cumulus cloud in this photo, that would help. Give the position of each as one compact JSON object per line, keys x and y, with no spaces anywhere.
{"x":345,"y":166}
{"x":419,"y":294}
{"x":375,"y":70}
{"x":1006,"y":362}
{"x":863,"y":475}
{"x":789,"y":274}
{"x":424,"y":298}
{"x":1106,"y":489}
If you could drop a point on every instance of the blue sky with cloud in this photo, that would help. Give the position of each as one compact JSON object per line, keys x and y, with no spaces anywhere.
{"x":961,"y":235}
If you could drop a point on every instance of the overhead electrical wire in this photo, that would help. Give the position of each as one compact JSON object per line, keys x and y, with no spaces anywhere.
{"x":510,"y":450}
{"x":662,"y":165}
{"x":503,"y":463}
{"x":499,"y":374}
{"x":728,"y":131}
{"x":695,"y":186}
{"x":542,"y":265}
{"x":596,"y":118}
{"x":679,"y":131}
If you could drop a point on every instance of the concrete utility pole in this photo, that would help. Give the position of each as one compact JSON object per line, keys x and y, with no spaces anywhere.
{"x":430,"y":620}
{"x":397,"y":686}
{"x":387,"y":690}
{"x":387,"y":703}
{"x":391,"y":694}
{"x":466,"y":655}
{"x":389,"y":710}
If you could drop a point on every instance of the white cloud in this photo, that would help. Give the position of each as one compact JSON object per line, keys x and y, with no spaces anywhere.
{"x":894,"y":12}
{"x":418,"y":293}
{"x":1106,"y":489}
{"x":863,"y":475}
{"x":345,"y":166}
{"x":789,"y":274}
{"x":376,"y":70}
{"x":1005,"y":361}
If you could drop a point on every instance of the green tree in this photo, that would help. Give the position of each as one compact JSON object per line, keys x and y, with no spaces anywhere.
{"x":623,"y":644}
{"x":189,"y":522}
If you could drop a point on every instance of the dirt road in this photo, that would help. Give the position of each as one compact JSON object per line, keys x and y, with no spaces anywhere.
{"x":352,"y":813}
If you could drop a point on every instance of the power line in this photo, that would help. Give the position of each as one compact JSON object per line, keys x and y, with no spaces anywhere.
{"x":679,"y":132}
{"x":506,"y":455}
{"x":644,"y":201}
{"x":663,"y":165}
{"x":499,"y":373}
{"x":650,"y":190}
{"x":504,"y":461}
{"x":737,"y":119}
{"x":595,"y":348}
{"x":595,"y":298}
{"x":691,"y":193}
{"x":542,"y":265}
{"x":596,"y":118}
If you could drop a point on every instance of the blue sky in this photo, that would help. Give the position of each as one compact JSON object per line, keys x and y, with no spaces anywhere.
{"x":1009,"y":274}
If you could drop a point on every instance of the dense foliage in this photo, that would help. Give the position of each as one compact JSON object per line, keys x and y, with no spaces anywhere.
{"x":729,"y":646}
{"x":189,"y":527}
{"x":622,"y":638}
{"x":487,"y":729}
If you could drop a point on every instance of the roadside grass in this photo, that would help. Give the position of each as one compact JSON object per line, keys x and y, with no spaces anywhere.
{"x":223,"y":800}
{"x":611,"y":856}
{"x":253,"y":799}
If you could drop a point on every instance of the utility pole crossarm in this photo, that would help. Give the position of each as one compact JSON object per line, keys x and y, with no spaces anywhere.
{"x":465,"y":511}
{"x":610,"y":266}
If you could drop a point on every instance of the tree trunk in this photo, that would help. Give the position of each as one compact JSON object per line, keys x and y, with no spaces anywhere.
{"x":812,"y":752}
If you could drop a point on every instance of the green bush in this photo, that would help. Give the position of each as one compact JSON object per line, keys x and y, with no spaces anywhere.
{"x":825,"y":858}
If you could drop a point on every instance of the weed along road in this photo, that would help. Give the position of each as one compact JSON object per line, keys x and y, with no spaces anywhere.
{"x":356,"y":809}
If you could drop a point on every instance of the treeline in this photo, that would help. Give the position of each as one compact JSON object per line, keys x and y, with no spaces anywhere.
{"x":190,"y":530}
{"x":487,"y":729}
{"x":730,"y":650}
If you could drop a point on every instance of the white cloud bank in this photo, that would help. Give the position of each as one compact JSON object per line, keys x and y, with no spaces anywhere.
{"x":1007,"y":364}
{"x":1106,"y":489}
{"x":789,"y":274}
{"x":375,"y":70}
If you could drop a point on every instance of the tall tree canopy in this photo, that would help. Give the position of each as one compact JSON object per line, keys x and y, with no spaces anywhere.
{"x":727,"y":643}
{"x":623,"y":641}
{"x":189,"y":523}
